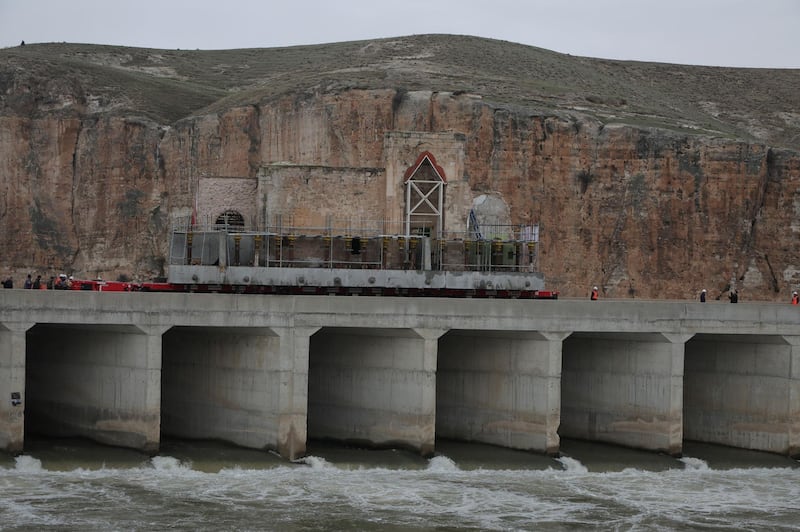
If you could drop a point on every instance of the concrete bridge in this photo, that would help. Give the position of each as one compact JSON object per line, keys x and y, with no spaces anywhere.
{"x":271,"y":372}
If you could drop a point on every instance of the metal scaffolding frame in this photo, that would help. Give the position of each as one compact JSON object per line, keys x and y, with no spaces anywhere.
{"x":355,"y":243}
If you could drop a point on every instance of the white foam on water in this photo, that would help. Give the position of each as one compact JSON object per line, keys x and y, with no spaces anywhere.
{"x":27,"y":514}
{"x":442,"y":464}
{"x":571,"y":465}
{"x":28,"y":464}
{"x":315,"y":462}
{"x":695,"y":464}
{"x":682,"y":498}
{"x":169,"y":463}
{"x":315,"y":494}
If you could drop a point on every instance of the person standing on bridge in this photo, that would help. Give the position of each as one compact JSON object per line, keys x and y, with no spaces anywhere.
{"x":703,"y":296}
{"x":734,"y":296}
{"x":795,"y":298}
{"x":595,"y":294}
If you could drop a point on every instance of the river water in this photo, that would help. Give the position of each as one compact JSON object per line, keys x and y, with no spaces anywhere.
{"x":75,"y":485}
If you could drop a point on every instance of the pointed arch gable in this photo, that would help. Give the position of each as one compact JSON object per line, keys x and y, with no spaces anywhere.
{"x":424,"y":156}
{"x":424,"y":182}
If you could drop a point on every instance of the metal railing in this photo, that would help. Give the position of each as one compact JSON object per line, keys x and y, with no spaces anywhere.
{"x":355,"y":243}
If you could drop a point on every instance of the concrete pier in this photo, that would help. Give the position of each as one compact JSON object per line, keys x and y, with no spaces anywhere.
{"x":12,"y":384}
{"x":270,"y":372}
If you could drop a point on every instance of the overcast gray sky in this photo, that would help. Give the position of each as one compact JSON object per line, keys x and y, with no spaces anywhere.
{"x":740,"y":33}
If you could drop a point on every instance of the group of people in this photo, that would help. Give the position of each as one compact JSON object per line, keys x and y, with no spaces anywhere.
{"x":62,"y":282}
{"x":733,"y":296}
{"x":35,"y":284}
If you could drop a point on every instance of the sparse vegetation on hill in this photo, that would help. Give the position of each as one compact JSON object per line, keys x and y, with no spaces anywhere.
{"x":761,"y":105}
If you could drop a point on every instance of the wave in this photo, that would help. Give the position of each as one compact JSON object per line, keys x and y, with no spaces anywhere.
{"x":695,"y":464}
{"x":315,"y":462}
{"x":28,"y":464}
{"x":442,"y":464}
{"x":572,"y":465}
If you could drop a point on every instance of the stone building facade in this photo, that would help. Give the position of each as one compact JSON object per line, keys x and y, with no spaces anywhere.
{"x":400,"y":197}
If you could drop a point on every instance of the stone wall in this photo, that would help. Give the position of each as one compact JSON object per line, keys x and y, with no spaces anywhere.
{"x":315,"y":196}
{"x":216,"y":195}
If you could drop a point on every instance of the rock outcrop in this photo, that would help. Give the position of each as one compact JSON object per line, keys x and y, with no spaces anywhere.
{"x":640,"y":207}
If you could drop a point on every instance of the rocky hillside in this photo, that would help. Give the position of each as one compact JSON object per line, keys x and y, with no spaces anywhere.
{"x":652,"y":180}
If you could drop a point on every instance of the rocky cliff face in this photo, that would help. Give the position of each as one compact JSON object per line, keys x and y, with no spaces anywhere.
{"x":646,"y":212}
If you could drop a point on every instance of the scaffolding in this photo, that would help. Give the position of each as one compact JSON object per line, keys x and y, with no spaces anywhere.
{"x":355,"y":243}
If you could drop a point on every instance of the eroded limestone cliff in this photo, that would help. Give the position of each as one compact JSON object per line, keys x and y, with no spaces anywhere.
{"x":642,"y":208}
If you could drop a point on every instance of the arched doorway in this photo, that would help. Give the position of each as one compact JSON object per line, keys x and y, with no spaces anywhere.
{"x":231,"y":220}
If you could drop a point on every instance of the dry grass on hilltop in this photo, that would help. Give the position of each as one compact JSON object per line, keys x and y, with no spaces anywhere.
{"x":761,"y":105}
